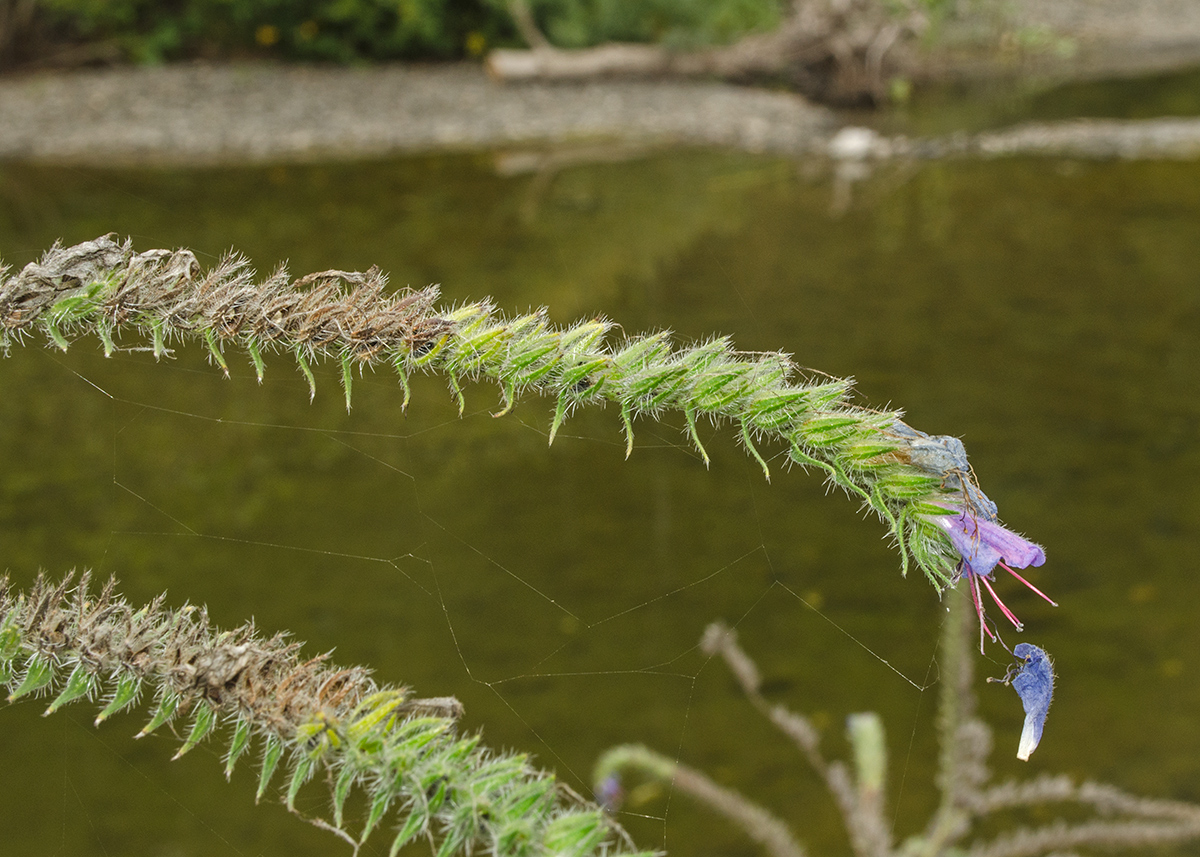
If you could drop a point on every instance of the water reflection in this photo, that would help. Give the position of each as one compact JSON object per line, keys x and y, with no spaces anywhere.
{"x":1044,"y":311}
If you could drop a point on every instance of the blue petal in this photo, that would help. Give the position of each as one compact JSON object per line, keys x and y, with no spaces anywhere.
{"x":1034,"y":683}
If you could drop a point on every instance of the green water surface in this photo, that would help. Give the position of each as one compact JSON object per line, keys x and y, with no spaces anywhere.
{"x":1045,"y":311}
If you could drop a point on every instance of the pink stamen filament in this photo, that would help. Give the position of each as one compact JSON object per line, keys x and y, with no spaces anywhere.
{"x":973,"y":585}
{"x":1027,"y":583}
{"x":1003,"y":608}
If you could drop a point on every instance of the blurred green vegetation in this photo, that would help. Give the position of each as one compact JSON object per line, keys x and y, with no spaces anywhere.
{"x":345,"y":31}
{"x":983,"y":104}
{"x":679,"y":23}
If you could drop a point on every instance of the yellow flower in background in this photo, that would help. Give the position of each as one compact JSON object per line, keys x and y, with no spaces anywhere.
{"x":266,"y":35}
{"x":476,"y":43}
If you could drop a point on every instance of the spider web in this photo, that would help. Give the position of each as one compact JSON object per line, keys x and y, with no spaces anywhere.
{"x":559,"y":594}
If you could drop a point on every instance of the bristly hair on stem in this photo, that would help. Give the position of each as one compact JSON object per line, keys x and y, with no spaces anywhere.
{"x":419,"y":774}
{"x":104,"y":288}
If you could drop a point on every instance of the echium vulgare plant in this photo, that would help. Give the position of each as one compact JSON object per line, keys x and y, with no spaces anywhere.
{"x":921,"y":486}
{"x":406,"y":754}
{"x":308,"y":716}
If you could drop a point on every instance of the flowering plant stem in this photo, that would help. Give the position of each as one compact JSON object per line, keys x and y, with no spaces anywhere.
{"x":104,"y":288}
{"x":308,"y":717}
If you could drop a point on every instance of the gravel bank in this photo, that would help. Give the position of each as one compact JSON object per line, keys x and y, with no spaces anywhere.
{"x":191,"y":114}
{"x":200,"y":113}
{"x":1117,"y":37}
{"x":1082,"y":139}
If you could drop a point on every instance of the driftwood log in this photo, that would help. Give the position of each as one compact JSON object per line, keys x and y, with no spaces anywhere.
{"x":837,"y":51}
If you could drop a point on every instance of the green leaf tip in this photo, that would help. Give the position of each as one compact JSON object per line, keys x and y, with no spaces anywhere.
{"x":308,"y":374}
{"x":300,"y":775}
{"x":214,"y":351}
{"x":400,"y":365}
{"x":156,"y":334}
{"x":456,"y":389}
{"x":125,"y":694}
{"x":691,"y":424}
{"x":81,"y":684}
{"x":260,"y":368}
{"x":753,"y":450}
{"x":105,"y":334}
{"x":55,"y":334}
{"x":168,"y":702}
{"x":560,"y":413}
{"x":237,"y":746}
{"x":341,"y":790}
{"x":413,"y":826}
{"x":627,"y":420}
{"x":205,"y":720}
{"x":38,"y":675}
{"x":272,"y":753}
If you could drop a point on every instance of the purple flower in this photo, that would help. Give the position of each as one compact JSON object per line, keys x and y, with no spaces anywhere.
{"x":984,"y":545}
{"x":609,"y":793}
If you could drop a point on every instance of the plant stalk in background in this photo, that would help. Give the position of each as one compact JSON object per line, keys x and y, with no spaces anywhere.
{"x":968,"y":799}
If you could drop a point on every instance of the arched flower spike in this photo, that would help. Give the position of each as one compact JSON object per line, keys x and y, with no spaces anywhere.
{"x":983,"y":545}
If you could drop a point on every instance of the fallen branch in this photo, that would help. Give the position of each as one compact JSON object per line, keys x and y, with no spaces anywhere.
{"x":834,"y":51}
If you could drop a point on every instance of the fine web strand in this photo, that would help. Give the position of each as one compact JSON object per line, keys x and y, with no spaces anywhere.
{"x":858,"y":642}
{"x":929,"y":682}
{"x":84,"y":726}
